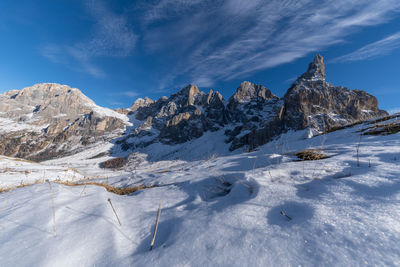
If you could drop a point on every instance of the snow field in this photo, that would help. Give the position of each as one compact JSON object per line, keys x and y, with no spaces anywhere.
{"x":222,"y":211}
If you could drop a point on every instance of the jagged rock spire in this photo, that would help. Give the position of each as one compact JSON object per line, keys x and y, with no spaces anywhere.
{"x":316,"y":69}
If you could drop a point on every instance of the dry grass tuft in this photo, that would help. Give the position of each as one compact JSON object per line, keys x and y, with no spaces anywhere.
{"x":115,"y":163}
{"x":22,"y":184}
{"x":110,"y":188}
{"x":311,"y":154}
{"x":24,"y":160}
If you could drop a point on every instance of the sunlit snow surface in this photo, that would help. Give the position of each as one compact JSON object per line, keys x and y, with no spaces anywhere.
{"x":220,"y":210}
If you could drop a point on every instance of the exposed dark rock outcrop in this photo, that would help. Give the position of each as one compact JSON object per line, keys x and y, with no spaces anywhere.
{"x":181,"y":117}
{"x":313,"y":102}
{"x":252,"y":105}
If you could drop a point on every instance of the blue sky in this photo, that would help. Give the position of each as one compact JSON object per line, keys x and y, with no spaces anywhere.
{"x":116,"y":51}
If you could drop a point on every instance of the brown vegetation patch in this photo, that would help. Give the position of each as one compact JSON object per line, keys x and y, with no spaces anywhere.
{"x":22,"y":184}
{"x":310,"y":154}
{"x":24,"y":160}
{"x":109,"y":188}
{"x":336,"y":128}
{"x":115,"y":163}
{"x":384,"y":119}
{"x":383,"y":129}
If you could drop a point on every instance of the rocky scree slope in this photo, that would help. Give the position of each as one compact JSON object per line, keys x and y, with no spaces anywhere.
{"x":253,"y":115}
{"x":50,"y":120}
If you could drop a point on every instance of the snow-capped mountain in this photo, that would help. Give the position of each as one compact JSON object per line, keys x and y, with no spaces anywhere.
{"x":50,"y":120}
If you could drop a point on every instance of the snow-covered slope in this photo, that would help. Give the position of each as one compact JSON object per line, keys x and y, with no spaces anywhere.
{"x":16,"y":172}
{"x":222,"y":211}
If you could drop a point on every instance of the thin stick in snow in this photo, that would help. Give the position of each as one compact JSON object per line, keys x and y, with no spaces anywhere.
{"x":109,"y":200}
{"x":285,"y":215}
{"x":156,"y":227}
{"x":270,"y":175}
{"x":358,"y":152}
{"x":83,"y":191}
{"x":5,"y":202}
{"x":54,"y":211}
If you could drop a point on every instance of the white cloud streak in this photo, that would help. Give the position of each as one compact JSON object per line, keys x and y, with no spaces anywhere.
{"x":111,"y":37}
{"x":372,"y":50}
{"x":130,"y":94}
{"x":222,"y":40}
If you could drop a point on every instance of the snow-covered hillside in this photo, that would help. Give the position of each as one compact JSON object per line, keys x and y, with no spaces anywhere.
{"x":260,"y":208}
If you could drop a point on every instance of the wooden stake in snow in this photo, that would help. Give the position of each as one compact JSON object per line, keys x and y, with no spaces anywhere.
{"x":285,"y":215}
{"x":156,"y":227}
{"x":54,"y":211}
{"x":358,"y":152}
{"x":109,"y":200}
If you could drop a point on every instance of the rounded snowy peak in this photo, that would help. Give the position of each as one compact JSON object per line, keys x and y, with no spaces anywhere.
{"x":45,"y":101}
{"x":44,"y":91}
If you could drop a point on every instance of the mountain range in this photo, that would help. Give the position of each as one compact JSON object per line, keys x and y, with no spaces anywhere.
{"x":50,"y":120}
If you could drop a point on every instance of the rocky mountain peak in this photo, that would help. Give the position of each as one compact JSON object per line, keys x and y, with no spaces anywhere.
{"x":49,"y":119}
{"x":316,"y":70}
{"x":248,"y":91}
{"x":312,"y":102}
{"x":187,"y":96}
{"x":214,"y":98}
{"x":48,"y":90}
{"x":45,"y":100}
{"x":140,"y":102}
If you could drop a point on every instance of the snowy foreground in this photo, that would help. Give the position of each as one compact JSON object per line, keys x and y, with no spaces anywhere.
{"x":220,"y":211}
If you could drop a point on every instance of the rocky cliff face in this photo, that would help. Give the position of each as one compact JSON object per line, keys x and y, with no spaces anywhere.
{"x":49,"y":120}
{"x":313,"y":102}
{"x":181,"y":117}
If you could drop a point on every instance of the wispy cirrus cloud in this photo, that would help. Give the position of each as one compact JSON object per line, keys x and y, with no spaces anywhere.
{"x":111,"y":37}
{"x":130,"y":94}
{"x":209,"y":41}
{"x":373,"y":50}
